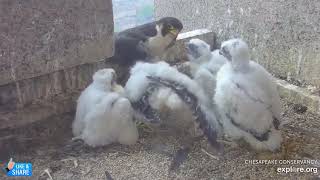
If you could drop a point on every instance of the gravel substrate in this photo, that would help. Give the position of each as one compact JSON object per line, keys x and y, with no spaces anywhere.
{"x":152,"y":156}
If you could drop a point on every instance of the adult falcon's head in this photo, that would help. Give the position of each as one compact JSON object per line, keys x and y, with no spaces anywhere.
{"x":169,"y":26}
{"x":168,"y":29}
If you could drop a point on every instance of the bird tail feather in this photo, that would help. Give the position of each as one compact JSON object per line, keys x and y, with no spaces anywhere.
{"x":192,"y":101}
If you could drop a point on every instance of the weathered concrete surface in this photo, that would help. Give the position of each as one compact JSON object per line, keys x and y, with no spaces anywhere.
{"x":298,"y":95}
{"x":42,"y":36}
{"x":34,"y":99}
{"x":45,"y":96}
{"x":284,"y":35}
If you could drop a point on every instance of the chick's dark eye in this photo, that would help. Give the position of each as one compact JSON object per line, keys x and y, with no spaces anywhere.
{"x":223,"y":49}
{"x":170,"y":26}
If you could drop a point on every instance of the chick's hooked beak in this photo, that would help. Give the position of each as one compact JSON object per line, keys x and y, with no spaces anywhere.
{"x":191,"y":47}
{"x":114,"y":78}
{"x":225,"y":53}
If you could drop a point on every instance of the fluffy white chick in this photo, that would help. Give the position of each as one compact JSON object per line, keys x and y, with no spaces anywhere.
{"x":103,"y":81}
{"x":204,"y":65}
{"x":139,"y":82}
{"x":164,"y":98}
{"x":110,"y":121}
{"x":98,"y":112}
{"x":201,"y":57}
{"x":247,"y":99}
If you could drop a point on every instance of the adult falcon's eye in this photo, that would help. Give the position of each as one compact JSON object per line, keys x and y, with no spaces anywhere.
{"x":170,"y":27}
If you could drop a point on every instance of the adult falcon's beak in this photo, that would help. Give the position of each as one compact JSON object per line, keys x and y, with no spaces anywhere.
{"x":174,"y":31}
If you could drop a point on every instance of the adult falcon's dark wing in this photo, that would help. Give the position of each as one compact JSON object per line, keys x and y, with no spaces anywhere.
{"x":148,"y":30}
{"x":129,"y":44}
{"x":143,"y":106}
{"x":129,"y":47}
{"x":128,"y":50}
{"x":192,"y":101}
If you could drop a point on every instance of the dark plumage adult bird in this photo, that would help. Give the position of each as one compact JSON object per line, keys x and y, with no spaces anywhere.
{"x":145,"y":42}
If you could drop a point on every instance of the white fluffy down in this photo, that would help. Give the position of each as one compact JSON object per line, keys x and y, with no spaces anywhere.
{"x":215,"y":63}
{"x":248,"y":93}
{"x":102,"y":113}
{"x":165,"y":97}
{"x":110,"y":121}
{"x":202,"y":50}
{"x":212,"y":61}
{"x":138,"y":82}
{"x":205,"y":67}
{"x":91,"y":96}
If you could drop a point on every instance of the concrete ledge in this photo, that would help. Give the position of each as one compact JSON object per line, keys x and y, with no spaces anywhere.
{"x":38,"y":98}
{"x":298,"y":95}
{"x":178,"y":53}
{"x":31,"y":100}
{"x":204,"y":34}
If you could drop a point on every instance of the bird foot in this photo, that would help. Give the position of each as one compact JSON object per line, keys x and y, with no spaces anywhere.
{"x":145,"y":127}
{"x":229,"y":143}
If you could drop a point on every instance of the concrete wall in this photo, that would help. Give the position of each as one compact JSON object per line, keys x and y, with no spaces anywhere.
{"x":43,"y":36}
{"x":48,"y":50}
{"x":38,"y":98}
{"x":284,"y":35}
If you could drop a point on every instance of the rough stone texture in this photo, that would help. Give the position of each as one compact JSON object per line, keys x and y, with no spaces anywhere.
{"x":38,"y":98}
{"x":298,"y":95}
{"x":42,"y":36}
{"x":44,"y":96}
{"x":284,"y":35}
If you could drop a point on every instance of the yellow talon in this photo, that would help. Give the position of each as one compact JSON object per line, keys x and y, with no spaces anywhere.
{"x":144,"y":127}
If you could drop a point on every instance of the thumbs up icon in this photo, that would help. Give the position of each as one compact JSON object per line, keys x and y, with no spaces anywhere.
{"x":10,"y":165}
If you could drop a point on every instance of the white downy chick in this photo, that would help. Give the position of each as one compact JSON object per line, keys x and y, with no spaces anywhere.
{"x":139,"y":82}
{"x":204,"y":65}
{"x":102,"y":111}
{"x":247,"y":99}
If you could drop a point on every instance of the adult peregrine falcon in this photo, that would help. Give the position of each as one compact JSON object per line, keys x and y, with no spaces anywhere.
{"x":145,"y":42}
